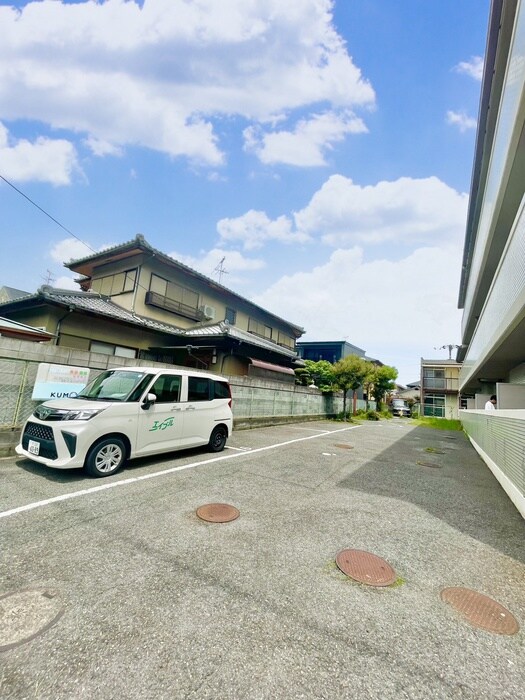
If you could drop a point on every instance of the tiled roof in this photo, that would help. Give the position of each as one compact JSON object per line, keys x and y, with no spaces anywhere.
{"x":98,"y":304}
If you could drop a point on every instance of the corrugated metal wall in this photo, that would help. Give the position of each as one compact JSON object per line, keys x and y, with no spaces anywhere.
{"x":502,"y":439}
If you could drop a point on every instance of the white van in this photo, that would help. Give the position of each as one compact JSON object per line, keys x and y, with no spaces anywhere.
{"x":129,"y":412}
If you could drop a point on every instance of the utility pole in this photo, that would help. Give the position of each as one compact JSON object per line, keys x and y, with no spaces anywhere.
{"x":449,"y":348}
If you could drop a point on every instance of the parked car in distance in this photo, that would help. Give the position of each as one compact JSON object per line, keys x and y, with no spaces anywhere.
{"x":129,"y":412}
{"x":399,"y":407}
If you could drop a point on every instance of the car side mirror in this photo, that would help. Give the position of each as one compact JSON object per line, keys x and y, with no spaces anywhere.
{"x":148,"y":401}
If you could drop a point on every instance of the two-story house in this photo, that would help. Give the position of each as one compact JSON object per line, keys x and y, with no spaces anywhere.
{"x":136,"y":301}
{"x":439,"y":388}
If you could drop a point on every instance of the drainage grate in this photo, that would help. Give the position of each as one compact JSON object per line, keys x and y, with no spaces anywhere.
{"x":365,"y":567}
{"x":480,"y":610}
{"x":217,"y":513}
{"x":429,"y":464}
{"x":27,"y":614}
{"x":344,"y":446}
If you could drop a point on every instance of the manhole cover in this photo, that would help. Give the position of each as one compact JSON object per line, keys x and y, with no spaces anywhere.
{"x":345,"y":447}
{"x":365,"y":567}
{"x":480,"y":610}
{"x":27,"y":614}
{"x":429,"y":464}
{"x":217,"y":513}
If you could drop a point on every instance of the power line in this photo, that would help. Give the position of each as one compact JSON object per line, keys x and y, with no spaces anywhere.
{"x":46,"y":213}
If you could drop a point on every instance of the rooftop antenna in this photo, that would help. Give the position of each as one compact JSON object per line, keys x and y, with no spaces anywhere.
{"x":449,"y":348}
{"x":220,"y":269}
{"x":50,"y":277}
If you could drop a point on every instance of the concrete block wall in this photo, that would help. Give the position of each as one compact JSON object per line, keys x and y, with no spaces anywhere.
{"x":256,"y":401}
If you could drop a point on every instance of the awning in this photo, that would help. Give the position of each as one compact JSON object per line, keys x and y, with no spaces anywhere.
{"x":271,"y":367}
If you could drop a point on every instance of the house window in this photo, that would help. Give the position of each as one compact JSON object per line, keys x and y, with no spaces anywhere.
{"x":285,"y":340}
{"x":174,"y":292}
{"x":434,"y":405}
{"x":230,"y":315}
{"x":172,"y":297}
{"x":434,"y":378}
{"x":259,"y":329}
{"x":110,"y":349}
{"x":120,"y":283}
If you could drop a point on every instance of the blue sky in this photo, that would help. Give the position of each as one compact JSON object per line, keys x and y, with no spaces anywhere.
{"x":322,"y":149}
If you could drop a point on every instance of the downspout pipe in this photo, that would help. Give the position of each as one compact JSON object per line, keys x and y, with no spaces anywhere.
{"x":59,"y":323}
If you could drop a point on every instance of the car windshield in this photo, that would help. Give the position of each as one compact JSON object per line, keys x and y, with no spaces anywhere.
{"x":116,"y":385}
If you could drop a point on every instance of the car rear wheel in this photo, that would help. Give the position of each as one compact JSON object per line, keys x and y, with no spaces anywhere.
{"x":105,"y":457}
{"x":218,"y":439}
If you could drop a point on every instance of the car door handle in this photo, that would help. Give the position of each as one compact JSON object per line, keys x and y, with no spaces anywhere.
{"x":190,"y":408}
{"x":176,"y":408}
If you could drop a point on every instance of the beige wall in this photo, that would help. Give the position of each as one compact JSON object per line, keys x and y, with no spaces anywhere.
{"x":135,"y":301}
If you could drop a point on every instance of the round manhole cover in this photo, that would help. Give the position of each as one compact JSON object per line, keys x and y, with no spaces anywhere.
{"x":365,"y":567}
{"x":27,"y":614}
{"x":217,"y":513}
{"x":480,"y":610}
{"x":344,"y":446}
{"x":429,"y":464}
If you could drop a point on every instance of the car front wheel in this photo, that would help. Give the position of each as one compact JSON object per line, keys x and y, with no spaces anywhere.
{"x":105,"y":457}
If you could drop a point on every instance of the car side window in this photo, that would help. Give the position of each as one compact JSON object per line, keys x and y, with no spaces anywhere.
{"x":221,"y":390}
{"x":167,"y":388}
{"x":198,"y":389}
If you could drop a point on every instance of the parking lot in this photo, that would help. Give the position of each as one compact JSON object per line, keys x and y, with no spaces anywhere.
{"x":143,"y":599}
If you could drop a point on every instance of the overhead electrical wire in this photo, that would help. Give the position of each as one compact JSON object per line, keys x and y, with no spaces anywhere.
{"x":46,"y":213}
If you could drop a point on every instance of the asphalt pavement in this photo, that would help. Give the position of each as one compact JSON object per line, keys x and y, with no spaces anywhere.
{"x":115,"y":588}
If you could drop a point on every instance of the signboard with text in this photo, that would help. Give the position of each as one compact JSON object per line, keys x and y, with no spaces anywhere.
{"x":59,"y":381}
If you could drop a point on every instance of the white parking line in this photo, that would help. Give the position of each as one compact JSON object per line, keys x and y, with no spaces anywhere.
{"x":171,"y":470}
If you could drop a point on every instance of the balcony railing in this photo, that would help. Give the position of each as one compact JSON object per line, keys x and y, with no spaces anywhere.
{"x":175,"y":307}
{"x":441,"y":383}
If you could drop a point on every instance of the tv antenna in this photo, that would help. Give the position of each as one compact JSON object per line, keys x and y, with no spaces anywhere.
{"x":220,"y":269}
{"x":49,"y":278}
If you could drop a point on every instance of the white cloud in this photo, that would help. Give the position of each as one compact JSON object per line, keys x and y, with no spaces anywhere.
{"x":233,"y":264}
{"x":44,"y":160}
{"x":73,"y":249}
{"x":65,"y":282}
{"x":461,"y":120}
{"x":102,"y":148}
{"x":397,"y":311}
{"x":171,"y":67}
{"x":254,"y":229}
{"x":406,"y":210}
{"x":473,"y":68}
{"x":305,"y":146}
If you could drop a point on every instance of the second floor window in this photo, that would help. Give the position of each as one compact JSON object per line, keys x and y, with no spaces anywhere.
{"x":174,"y":292}
{"x":230,"y":315}
{"x":119,"y":283}
{"x":259,"y":329}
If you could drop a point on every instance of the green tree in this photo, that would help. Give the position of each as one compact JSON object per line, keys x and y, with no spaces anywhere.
{"x":349,"y":374}
{"x":382,"y":381}
{"x":321,"y":373}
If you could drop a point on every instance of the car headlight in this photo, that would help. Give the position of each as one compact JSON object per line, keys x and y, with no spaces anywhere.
{"x":81,"y":414}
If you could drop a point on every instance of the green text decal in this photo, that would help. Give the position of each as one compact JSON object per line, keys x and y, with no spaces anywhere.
{"x":158,"y":425}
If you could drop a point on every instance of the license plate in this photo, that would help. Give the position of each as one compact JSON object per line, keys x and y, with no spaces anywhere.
{"x":33,"y":447}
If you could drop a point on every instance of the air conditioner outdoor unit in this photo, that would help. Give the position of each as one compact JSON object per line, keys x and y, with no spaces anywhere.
{"x":208,"y":311}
